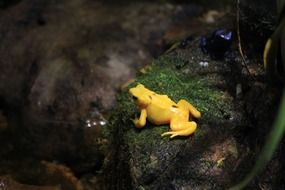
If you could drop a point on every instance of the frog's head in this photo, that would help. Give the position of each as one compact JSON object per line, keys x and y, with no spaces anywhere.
{"x":141,"y":95}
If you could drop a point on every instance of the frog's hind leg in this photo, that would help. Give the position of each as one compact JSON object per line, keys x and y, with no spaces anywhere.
{"x":183,"y":129}
{"x":187,"y":106}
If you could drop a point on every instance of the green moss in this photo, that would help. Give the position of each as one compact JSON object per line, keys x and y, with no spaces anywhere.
{"x":163,"y":78}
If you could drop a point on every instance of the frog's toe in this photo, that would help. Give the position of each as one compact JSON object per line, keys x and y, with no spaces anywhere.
{"x":172,"y":133}
{"x":185,"y":132}
{"x":166,"y":133}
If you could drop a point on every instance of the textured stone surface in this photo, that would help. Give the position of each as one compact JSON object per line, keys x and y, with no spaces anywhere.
{"x":202,"y":161}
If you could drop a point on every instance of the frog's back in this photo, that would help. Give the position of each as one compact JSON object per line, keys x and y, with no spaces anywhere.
{"x":162,"y":101}
{"x":166,"y":99}
{"x":160,"y":110}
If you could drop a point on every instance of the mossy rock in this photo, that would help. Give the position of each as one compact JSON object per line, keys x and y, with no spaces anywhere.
{"x":201,"y":161}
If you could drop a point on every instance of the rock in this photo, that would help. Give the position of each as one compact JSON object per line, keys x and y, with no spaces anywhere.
{"x":202,"y":161}
{"x":44,"y":176}
{"x":6,"y":182}
{"x":60,"y":61}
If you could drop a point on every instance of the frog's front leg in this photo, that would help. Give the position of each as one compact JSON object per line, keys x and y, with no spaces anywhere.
{"x":181,"y":128}
{"x":141,"y":121}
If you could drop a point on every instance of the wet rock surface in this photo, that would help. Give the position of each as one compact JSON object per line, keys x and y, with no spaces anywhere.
{"x":202,"y":161}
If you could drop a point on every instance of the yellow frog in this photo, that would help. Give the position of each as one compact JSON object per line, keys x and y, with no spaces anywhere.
{"x":160,"y":109}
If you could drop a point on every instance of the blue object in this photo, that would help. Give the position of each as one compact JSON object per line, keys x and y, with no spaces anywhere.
{"x":217,"y":43}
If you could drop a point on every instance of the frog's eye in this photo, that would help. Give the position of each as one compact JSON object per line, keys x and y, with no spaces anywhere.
{"x":135,"y":98}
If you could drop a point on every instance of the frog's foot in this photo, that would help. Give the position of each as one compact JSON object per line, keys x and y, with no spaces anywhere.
{"x":138,"y":123}
{"x":172,"y":133}
{"x":190,"y":128}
